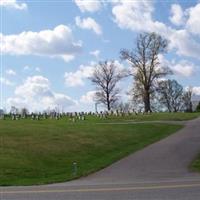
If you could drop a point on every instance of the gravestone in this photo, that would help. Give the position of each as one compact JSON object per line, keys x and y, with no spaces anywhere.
{"x":13,"y":117}
{"x":32,"y":117}
{"x":45,"y":115}
{"x":37,"y":117}
{"x":83,"y":117}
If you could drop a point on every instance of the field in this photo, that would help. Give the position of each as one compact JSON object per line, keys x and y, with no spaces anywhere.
{"x":40,"y":152}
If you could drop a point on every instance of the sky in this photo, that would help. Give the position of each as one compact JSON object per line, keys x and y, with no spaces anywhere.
{"x":50,"y":48}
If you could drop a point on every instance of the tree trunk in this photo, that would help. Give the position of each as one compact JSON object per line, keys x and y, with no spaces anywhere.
{"x":108,"y":105}
{"x":147,"y":104}
{"x":190,"y":107}
{"x":108,"y":101}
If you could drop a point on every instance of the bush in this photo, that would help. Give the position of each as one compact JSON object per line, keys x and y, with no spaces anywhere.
{"x":198,"y":107}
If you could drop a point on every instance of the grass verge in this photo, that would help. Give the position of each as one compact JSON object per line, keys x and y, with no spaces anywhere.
{"x":195,"y":165}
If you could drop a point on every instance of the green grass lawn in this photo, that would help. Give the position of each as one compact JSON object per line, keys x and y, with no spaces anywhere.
{"x":39,"y":152}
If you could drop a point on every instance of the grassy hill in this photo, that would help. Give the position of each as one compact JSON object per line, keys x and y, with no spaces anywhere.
{"x":40,"y":152}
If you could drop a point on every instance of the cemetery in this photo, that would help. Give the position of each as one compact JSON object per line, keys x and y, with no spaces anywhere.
{"x":40,"y":148}
{"x":99,"y":100}
{"x":106,"y":116}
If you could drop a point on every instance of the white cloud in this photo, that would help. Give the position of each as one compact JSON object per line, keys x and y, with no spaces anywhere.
{"x":88,"y":98}
{"x":184,"y":43}
{"x":58,"y":42}
{"x":88,"y":5}
{"x":88,"y":23}
{"x":77,"y":78}
{"x":138,"y":16}
{"x":95,"y":53}
{"x":10,"y":72}
{"x":13,"y":4}
{"x":184,"y":68}
{"x":6,"y":81}
{"x":119,"y":66}
{"x":177,"y":15}
{"x":35,"y":94}
{"x":194,"y":19}
{"x":196,"y":90}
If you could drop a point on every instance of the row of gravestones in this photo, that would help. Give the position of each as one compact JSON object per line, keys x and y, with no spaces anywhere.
{"x":73,"y":116}
{"x":33,"y":116}
{"x":118,"y":113}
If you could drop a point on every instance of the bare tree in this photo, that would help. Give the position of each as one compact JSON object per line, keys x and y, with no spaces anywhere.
{"x":24,"y":112}
{"x":14,"y":110}
{"x":170,"y":95}
{"x":146,"y":67}
{"x":106,"y":76}
{"x":187,"y":100}
{"x":125,"y":107}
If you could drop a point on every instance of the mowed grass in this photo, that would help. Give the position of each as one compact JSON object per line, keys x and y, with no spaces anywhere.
{"x":40,"y":152}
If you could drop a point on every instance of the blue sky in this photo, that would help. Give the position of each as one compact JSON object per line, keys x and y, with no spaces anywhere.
{"x":49,"y":48}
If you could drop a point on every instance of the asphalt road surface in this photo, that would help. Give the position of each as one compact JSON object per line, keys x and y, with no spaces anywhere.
{"x":158,"y":172}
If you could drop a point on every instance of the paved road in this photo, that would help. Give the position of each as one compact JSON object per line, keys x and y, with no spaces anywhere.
{"x":160,"y":171}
